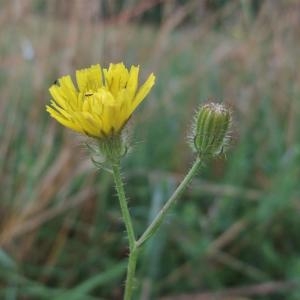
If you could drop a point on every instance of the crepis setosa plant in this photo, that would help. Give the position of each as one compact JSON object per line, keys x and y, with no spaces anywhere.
{"x":101,"y":105}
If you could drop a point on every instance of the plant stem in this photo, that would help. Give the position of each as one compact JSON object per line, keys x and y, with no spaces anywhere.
{"x":133,"y":251}
{"x":134,"y":246}
{"x":123,"y":205}
{"x":152,"y":228}
{"x":130,"y":273}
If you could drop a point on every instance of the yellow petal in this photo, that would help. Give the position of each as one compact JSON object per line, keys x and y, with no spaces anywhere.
{"x":86,"y":122}
{"x":64,"y":113}
{"x":132,"y":82}
{"x":105,"y":97}
{"x":143,"y":92}
{"x":115,"y":77}
{"x":89,"y":79}
{"x":58,"y":97}
{"x":68,"y":89}
{"x":67,"y":123}
{"x":110,"y":119}
{"x":96,"y":104}
{"x":124,"y":101}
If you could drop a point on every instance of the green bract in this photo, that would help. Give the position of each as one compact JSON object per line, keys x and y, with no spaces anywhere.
{"x":211,"y":130}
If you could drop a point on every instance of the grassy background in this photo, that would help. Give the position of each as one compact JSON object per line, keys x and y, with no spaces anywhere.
{"x":235,"y":231}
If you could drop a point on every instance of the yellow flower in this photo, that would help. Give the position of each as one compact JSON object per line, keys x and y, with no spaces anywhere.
{"x":104,"y":101}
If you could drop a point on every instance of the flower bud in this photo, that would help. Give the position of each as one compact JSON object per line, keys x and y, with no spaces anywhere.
{"x":211,"y":130}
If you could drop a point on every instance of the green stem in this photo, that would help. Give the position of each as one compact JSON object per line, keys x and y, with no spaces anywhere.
{"x":134,"y":245}
{"x":133,"y":251}
{"x":123,"y":205}
{"x":133,"y":256}
{"x":153,"y":227}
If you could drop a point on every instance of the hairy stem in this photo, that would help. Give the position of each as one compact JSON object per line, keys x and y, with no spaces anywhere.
{"x":133,"y":254}
{"x":134,"y":246}
{"x":123,"y":205}
{"x":129,"y":285}
{"x":153,"y":227}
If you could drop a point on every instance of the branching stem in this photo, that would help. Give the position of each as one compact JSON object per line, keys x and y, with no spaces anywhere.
{"x":135,"y":245}
{"x":153,"y":227}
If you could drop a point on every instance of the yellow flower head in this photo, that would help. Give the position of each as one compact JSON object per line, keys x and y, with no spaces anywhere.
{"x":103,"y":102}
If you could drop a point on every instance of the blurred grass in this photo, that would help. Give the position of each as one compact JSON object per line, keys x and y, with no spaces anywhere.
{"x":61,"y":232}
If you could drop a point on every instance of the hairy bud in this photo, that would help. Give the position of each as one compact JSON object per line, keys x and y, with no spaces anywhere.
{"x":211,"y":130}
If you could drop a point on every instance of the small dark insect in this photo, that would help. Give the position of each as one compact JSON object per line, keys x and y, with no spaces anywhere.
{"x":55,"y":82}
{"x":88,"y":94}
